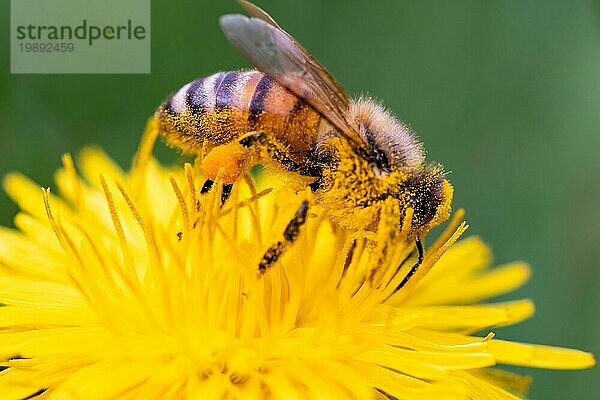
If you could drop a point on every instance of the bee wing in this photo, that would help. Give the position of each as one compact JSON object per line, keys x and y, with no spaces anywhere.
{"x":258,"y":12}
{"x":277,"y":54}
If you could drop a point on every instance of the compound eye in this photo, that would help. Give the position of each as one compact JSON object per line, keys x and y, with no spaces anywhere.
{"x":380,"y":160}
{"x":374,"y":153}
{"x":427,"y":196}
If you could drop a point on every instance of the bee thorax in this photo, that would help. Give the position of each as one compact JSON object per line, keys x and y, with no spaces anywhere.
{"x":390,"y":144}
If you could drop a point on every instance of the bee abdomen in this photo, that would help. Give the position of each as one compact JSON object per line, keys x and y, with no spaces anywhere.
{"x":205,"y":94}
{"x":226,"y":105}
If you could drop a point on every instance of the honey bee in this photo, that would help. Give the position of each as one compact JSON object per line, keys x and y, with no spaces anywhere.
{"x":293,"y":115}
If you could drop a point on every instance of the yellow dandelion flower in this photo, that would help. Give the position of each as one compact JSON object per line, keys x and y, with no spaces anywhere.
{"x":131,"y":285}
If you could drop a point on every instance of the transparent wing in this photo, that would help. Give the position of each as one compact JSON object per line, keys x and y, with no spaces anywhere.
{"x":277,"y":54}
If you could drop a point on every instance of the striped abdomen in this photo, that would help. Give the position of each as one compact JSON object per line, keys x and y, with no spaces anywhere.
{"x":219,"y":108}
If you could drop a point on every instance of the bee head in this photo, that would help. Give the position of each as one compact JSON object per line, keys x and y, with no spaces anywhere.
{"x":429,"y":194}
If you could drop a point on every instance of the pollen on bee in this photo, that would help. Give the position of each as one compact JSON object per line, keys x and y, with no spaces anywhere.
{"x":443,"y":210}
{"x":230,"y":160}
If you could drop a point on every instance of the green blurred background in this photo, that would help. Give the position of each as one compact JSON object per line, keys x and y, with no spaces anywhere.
{"x":505,"y":94}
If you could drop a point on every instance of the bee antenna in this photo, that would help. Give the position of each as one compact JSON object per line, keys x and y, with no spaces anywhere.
{"x":415,"y":267}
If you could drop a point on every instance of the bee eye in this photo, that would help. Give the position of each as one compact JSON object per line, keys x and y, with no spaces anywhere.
{"x":375,"y":155}
{"x":380,"y":160}
{"x":426,"y":195}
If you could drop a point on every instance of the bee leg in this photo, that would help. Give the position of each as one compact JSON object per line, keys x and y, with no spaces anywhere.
{"x":208,"y":184}
{"x":316,"y":185}
{"x":225,"y":191}
{"x":290,"y":234}
{"x":253,"y":138}
{"x":273,"y":148}
{"x":229,"y":161}
{"x":415,"y":267}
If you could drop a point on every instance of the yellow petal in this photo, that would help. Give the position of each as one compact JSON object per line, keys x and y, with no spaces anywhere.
{"x":471,"y":289}
{"x":15,"y":291}
{"x":406,"y":387}
{"x":481,"y":390}
{"x":14,"y":386}
{"x":473,"y":318}
{"x":25,"y":193}
{"x":539,"y":356}
{"x":93,"y":162}
{"x":47,"y":342}
{"x":91,"y":382}
{"x":465,"y":258}
{"x":39,"y":317}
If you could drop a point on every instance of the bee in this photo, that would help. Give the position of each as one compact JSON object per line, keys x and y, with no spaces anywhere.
{"x":292,"y":115}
